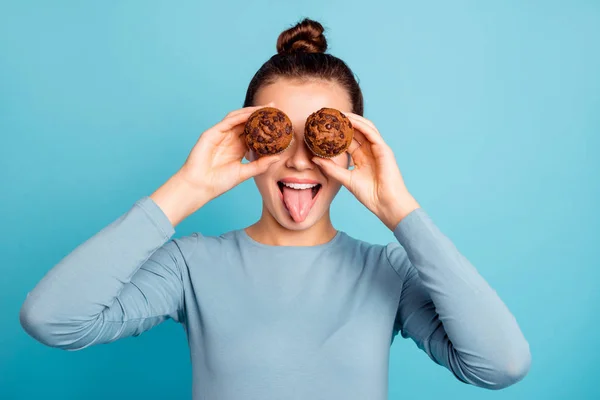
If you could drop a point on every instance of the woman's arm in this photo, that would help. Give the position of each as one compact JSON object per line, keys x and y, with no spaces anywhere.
{"x":445,"y":306}
{"x":127,"y":278}
{"x":451,"y":312}
{"x":122,"y":281}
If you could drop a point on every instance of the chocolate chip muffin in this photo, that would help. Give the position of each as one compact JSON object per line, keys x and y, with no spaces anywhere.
{"x":268,"y":131}
{"x":328,"y":133}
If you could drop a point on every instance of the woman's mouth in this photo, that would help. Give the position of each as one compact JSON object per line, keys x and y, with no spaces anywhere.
{"x":298,"y":198}
{"x":314,"y":187}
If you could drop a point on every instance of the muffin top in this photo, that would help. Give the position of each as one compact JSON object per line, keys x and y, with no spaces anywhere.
{"x":268,"y":131}
{"x":328,"y":132}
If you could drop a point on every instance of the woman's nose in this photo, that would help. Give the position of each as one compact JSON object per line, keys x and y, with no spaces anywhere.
{"x":300,"y":157}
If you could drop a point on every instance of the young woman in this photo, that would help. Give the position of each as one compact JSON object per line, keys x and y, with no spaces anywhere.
{"x":289,"y":307}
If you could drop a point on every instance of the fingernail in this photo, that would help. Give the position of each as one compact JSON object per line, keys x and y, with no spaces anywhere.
{"x":316,"y":161}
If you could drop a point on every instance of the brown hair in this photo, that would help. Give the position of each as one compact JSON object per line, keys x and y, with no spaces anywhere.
{"x":301,"y":55}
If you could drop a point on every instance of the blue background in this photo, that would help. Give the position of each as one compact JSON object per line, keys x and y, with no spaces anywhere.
{"x":492,"y":108}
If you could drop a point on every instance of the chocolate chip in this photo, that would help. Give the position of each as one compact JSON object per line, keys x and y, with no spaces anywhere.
{"x":279,"y":133}
{"x":337,"y":126}
{"x":288,"y":129}
{"x":341,"y":135}
{"x":260,"y":139}
{"x":334,"y":119}
{"x":328,"y":126}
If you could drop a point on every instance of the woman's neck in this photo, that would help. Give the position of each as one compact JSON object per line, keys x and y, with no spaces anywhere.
{"x":268,"y":231}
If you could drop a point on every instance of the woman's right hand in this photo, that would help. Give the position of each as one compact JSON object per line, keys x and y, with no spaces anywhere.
{"x":213,"y":167}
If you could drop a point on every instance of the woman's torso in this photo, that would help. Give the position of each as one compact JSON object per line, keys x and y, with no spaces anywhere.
{"x":288,"y":322}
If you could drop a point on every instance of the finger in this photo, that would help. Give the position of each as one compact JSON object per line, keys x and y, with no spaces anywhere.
{"x":340,"y":174}
{"x":252,"y":108}
{"x":358,"y":139}
{"x":361,"y":118}
{"x":237,"y":117}
{"x":370,"y":132}
{"x":367,"y":127}
{"x":257,"y":167}
{"x":360,"y":149}
{"x":232,"y":121}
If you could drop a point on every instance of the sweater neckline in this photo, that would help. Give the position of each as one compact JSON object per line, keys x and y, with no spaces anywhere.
{"x":245,"y":237}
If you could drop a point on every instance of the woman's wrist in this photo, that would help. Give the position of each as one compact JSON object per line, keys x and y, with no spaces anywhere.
{"x":402,"y":205}
{"x":178,"y":199}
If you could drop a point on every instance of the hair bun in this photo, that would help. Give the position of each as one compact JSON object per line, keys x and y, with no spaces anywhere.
{"x":305,"y":37}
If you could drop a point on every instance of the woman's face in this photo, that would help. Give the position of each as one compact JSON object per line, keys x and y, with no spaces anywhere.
{"x":284,"y":186}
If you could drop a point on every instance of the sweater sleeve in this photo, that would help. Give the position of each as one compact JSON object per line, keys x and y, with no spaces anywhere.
{"x":121,"y":282}
{"x":451,"y":312}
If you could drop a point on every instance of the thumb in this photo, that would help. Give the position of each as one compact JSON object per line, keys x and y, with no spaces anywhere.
{"x":333,"y":170}
{"x":257,"y":167}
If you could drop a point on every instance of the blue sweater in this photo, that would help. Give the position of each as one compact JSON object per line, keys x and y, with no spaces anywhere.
{"x":281,"y":322}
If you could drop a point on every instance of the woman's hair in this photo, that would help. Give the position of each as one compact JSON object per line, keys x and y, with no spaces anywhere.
{"x":301,"y":55}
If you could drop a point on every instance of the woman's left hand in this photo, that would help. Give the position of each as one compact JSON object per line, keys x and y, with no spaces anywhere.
{"x":376,"y":180}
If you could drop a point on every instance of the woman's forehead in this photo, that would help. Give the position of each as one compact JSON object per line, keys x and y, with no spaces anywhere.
{"x":299,"y":99}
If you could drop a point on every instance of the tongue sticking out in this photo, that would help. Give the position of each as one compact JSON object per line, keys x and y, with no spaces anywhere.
{"x":298,"y":202}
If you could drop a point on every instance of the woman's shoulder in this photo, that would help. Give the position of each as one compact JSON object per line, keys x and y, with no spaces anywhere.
{"x":387,"y":251}
{"x":369,"y":249}
{"x":355,"y":241}
{"x":191,"y":242}
{"x":214,"y":238}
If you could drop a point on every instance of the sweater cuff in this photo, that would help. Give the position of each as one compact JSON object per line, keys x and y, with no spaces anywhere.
{"x":413,"y":227}
{"x":157,"y":216}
